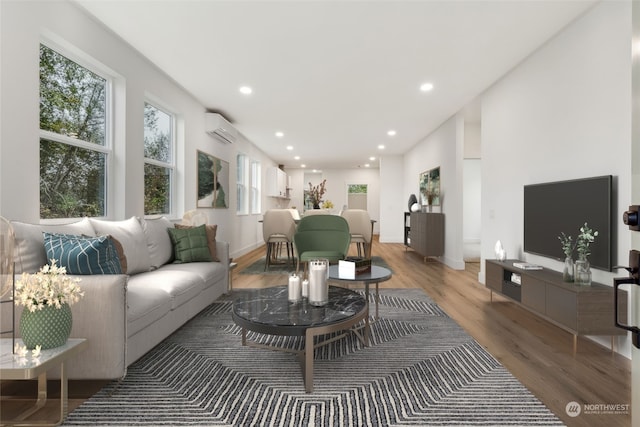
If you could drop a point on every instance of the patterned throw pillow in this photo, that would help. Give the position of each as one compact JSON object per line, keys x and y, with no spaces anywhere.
{"x":211,"y":238}
{"x":190,"y":244}
{"x":83,"y":255}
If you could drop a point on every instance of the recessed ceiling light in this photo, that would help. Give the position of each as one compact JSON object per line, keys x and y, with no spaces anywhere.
{"x":391,"y":132}
{"x":289,"y":147}
{"x":245,"y":90}
{"x":296,"y":158}
{"x":366,"y":165}
{"x":380,"y":147}
{"x":372,"y":158}
{"x":279,"y":134}
{"x":303,"y":165}
{"x":426,"y":87}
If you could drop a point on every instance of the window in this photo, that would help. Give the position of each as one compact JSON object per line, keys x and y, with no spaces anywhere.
{"x":158,"y":160}
{"x":74,"y":140}
{"x":241,"y":179}
{"x":255,"y":187}
{"x":357,"y":196}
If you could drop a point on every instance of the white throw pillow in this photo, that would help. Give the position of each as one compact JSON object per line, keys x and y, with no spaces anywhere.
{"x":134,"y":242}
{"x":30,"y":252}
{"x":158,"y":240}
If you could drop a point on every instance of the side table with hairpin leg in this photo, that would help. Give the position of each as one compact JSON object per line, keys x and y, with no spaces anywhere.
{"x":14,"y":367}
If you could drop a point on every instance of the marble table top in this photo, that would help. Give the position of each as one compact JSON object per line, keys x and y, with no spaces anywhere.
{"x":269,"y":311}
{"x":375,"y":275}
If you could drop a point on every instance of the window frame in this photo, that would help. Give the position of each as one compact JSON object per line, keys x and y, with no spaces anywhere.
{"x":242,"y":175}
{"x":255,"y":196}
{"x":93,"y":66}
{"x":171,"y":165}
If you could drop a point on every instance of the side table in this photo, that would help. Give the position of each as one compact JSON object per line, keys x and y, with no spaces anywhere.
{"x":376,"y":275}
{"x":13,"y":367}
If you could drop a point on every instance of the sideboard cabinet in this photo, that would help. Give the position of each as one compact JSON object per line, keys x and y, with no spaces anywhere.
{"x":427,"y":233}
{"x":578,"y":309}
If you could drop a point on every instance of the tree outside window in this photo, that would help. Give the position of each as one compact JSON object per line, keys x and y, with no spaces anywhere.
{"x":158,"y":160}
{"x":73,"y":138}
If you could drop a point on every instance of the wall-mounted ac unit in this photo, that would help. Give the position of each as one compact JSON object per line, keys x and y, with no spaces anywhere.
{"x":218,"y":127}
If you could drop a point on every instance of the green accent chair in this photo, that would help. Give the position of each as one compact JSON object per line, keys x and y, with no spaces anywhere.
{"x":321,"y":237}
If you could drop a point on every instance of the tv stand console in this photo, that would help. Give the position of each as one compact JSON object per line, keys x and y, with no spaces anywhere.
{"x":578,"y":309}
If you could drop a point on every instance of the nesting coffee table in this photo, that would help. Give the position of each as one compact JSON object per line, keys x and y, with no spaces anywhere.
{"x":268,"y":311}
{"x":376,"y":275}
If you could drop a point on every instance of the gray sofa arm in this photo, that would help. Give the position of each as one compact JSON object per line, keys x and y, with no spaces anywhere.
{"x":101,"y":317}
{"x":222,"y":251}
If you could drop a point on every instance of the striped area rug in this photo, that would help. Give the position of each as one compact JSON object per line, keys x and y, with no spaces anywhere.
{"x":421,"y":369}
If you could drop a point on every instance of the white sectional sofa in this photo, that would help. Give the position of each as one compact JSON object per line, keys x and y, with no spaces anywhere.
{"x":125,"y":315}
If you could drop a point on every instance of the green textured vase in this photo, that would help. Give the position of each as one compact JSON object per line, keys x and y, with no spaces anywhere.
{"x":49,"y":327}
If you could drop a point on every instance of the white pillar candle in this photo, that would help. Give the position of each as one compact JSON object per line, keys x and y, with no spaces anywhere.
{"x":318,"y":288}
{"x":295,"y":290}
{"x":305,"y":288}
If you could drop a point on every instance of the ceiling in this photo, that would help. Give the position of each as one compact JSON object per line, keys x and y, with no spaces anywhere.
{"x":336,"y":76}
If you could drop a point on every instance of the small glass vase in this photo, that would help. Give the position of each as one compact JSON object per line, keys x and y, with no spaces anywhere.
{"x":582,"y":274}
{"x":567,"y":274}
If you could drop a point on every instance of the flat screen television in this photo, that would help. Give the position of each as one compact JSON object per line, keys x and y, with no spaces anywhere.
{"x":555,"y":207}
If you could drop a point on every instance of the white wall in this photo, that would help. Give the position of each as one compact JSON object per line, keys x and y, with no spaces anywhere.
{"x":564,"y":113}
{"x":472,"y":204}
{"x":393,"y":201}
{"x":443,"y":148}
{"x":472,"y":141}
{"x":23,"y":26}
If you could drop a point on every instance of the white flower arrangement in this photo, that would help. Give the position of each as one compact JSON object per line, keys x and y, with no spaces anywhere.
{"x":22,"y":351}
{"x":48,"y":287}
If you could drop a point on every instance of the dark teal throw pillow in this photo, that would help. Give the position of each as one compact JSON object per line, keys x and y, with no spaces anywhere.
{"x":82,"y":254}
{"x":190,"y":244}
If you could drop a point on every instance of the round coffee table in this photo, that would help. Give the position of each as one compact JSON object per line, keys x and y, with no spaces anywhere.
{"x":376,"y":275}
{"x":268,"y":311}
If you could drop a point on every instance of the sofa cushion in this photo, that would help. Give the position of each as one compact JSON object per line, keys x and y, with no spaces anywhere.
{"x":83,"y":255}
{"x":181,"y":286}
{"x":190,"y":244}
{"x":145,"y":304}
{"x":210,"y":272}
{"x":158,"y":240}
{"x":30,"y":253}
{"x":130,"y":234}
{"x":211,"y":238}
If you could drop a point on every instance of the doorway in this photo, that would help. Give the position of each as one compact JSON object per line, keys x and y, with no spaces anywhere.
{"x":357,"y":196}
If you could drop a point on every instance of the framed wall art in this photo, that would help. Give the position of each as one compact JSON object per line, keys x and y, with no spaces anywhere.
{"x":213,"y":181}
{"x":429,"y":183}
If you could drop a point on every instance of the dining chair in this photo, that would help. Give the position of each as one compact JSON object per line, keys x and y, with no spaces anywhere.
{"x":278,"y":228}
{"x":360,"y":228}
{"x":194,"y":217}
{"x":321,"y":237}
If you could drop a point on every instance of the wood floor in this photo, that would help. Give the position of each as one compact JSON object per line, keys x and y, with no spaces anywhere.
{"x":539,"y":354}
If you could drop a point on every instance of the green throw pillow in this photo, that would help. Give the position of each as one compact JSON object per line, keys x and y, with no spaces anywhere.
{"x":83,"y":255}
{"x":190,"y":244}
